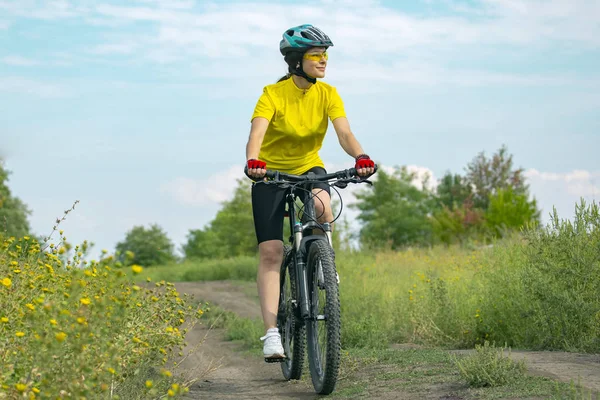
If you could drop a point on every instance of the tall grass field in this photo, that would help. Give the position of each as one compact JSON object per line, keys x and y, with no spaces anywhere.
{"x":539,"y":289}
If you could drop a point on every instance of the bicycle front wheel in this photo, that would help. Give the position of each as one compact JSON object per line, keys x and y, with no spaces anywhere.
{"x":323,"y":329}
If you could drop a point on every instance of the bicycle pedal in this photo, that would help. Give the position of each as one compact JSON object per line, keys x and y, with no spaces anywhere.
{"x":272,"y":360}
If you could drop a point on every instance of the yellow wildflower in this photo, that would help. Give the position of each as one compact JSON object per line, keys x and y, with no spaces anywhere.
{"x":20,"y":334}
{"x":53,"y":322}
{"x":7,"y":282}
{"x":171,"y":393}
{"x":148,"y":384}
{"x":85,"y":301}
{"x":20,"y":387}
{"x":60,"y":336}
{"x":136,"y":269}
{"x":30,"y":306}
{"x":4,"y":320}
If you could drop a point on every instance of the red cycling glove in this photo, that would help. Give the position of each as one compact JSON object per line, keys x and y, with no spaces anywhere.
{"x":364,"y":161}
{"x":254,"y":164}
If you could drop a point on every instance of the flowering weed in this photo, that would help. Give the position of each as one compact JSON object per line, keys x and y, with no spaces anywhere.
{"x":76,"y":329}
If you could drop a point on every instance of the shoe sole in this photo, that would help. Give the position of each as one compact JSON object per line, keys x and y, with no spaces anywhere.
{"x":275,"y":358}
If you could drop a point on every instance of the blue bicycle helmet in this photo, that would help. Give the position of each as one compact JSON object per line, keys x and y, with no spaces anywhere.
{"x":303,"y":37}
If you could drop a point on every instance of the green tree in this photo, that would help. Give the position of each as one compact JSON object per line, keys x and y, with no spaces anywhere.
{"x":509,"y":210}
{"x":149,"y":246}
{"x":13,"y":212}
{"x":453,"y":190}
{"x":231,"y":233}
{"x":203,"y":244}
{"x":458,"y":224}
{"x":487,"y":176}
{"x":395,"y":212}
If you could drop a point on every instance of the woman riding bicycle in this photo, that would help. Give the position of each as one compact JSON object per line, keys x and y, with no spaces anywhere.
{"x":287,"y":130}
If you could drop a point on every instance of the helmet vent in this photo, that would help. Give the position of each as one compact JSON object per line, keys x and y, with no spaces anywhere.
{"x":290,"y":32}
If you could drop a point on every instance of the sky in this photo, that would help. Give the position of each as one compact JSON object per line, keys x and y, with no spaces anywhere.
{"x":140,"y":110}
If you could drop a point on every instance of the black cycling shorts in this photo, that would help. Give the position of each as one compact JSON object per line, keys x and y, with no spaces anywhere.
{"x":268,"y":207}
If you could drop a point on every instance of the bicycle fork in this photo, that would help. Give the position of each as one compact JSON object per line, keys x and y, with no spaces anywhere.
{"x":303,"y":294}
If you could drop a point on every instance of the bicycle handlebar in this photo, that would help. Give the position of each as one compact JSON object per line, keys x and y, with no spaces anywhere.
{"x":279,"y":176}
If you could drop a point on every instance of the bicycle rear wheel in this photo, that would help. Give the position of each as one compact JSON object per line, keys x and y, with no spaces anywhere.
{"x":323,"y":330}
{"x":293,"y":331}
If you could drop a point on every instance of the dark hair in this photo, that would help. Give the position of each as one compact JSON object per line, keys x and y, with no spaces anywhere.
{"x":291,"y":59}
{"x":285,"y":77}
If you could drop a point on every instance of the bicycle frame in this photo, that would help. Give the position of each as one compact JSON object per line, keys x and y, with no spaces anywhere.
{"x":301,"y":241}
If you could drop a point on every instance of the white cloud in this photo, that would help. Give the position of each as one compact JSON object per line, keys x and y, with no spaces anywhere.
{"x":215,"y":189}
{"x":232,"y":40}
{"x":46,"y":10}
{"x":16,"y":84}
{"x":114,"y":48}
{"x":174,"y":4}
{"x":19,"y":61}
{"x":365,"y":26}
{"x":578,"y":183}
{"x":563,"y":190}
{"x":4,"y":25}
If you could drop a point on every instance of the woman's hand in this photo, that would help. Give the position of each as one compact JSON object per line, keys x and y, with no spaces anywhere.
{"x":364,"y":165}
{"x":256,"y":168}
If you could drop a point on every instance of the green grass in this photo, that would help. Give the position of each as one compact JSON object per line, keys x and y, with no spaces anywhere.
{"x":244,"y":330}
{"x":239,"y":268}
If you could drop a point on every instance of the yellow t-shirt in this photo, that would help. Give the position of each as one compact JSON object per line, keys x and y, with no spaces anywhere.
{"x":297,"y":124}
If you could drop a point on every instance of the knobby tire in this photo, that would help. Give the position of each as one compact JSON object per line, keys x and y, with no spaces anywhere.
{"x":293,"y":331}
{"x":324,"y":368}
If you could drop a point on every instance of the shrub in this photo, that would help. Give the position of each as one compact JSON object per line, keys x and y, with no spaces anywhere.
{"x":488,"y":367}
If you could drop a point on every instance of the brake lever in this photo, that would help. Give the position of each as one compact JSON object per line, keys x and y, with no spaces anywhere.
{"x":361,"y":180}
{"x":341,"y":184}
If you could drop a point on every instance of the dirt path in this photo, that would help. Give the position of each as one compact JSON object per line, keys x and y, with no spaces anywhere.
{"x":236,"y":375}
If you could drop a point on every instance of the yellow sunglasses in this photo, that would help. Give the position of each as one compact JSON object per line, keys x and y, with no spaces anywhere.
{"x":316,"y":56}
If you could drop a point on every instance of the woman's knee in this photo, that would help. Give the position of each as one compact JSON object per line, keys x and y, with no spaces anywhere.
{"x":323,"y":205}
{"x":271,"y":252}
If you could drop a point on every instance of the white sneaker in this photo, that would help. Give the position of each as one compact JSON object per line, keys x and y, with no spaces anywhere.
{"x":272,"y":348}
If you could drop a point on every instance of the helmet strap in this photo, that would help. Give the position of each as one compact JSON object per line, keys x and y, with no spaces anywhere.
{"x":294,"y":61}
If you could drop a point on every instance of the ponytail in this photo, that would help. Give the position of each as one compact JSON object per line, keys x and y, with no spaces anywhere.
{"x":285,"y":77}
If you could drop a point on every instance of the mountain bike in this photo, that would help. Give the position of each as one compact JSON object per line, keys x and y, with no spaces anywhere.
{"x":309,"y":305}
